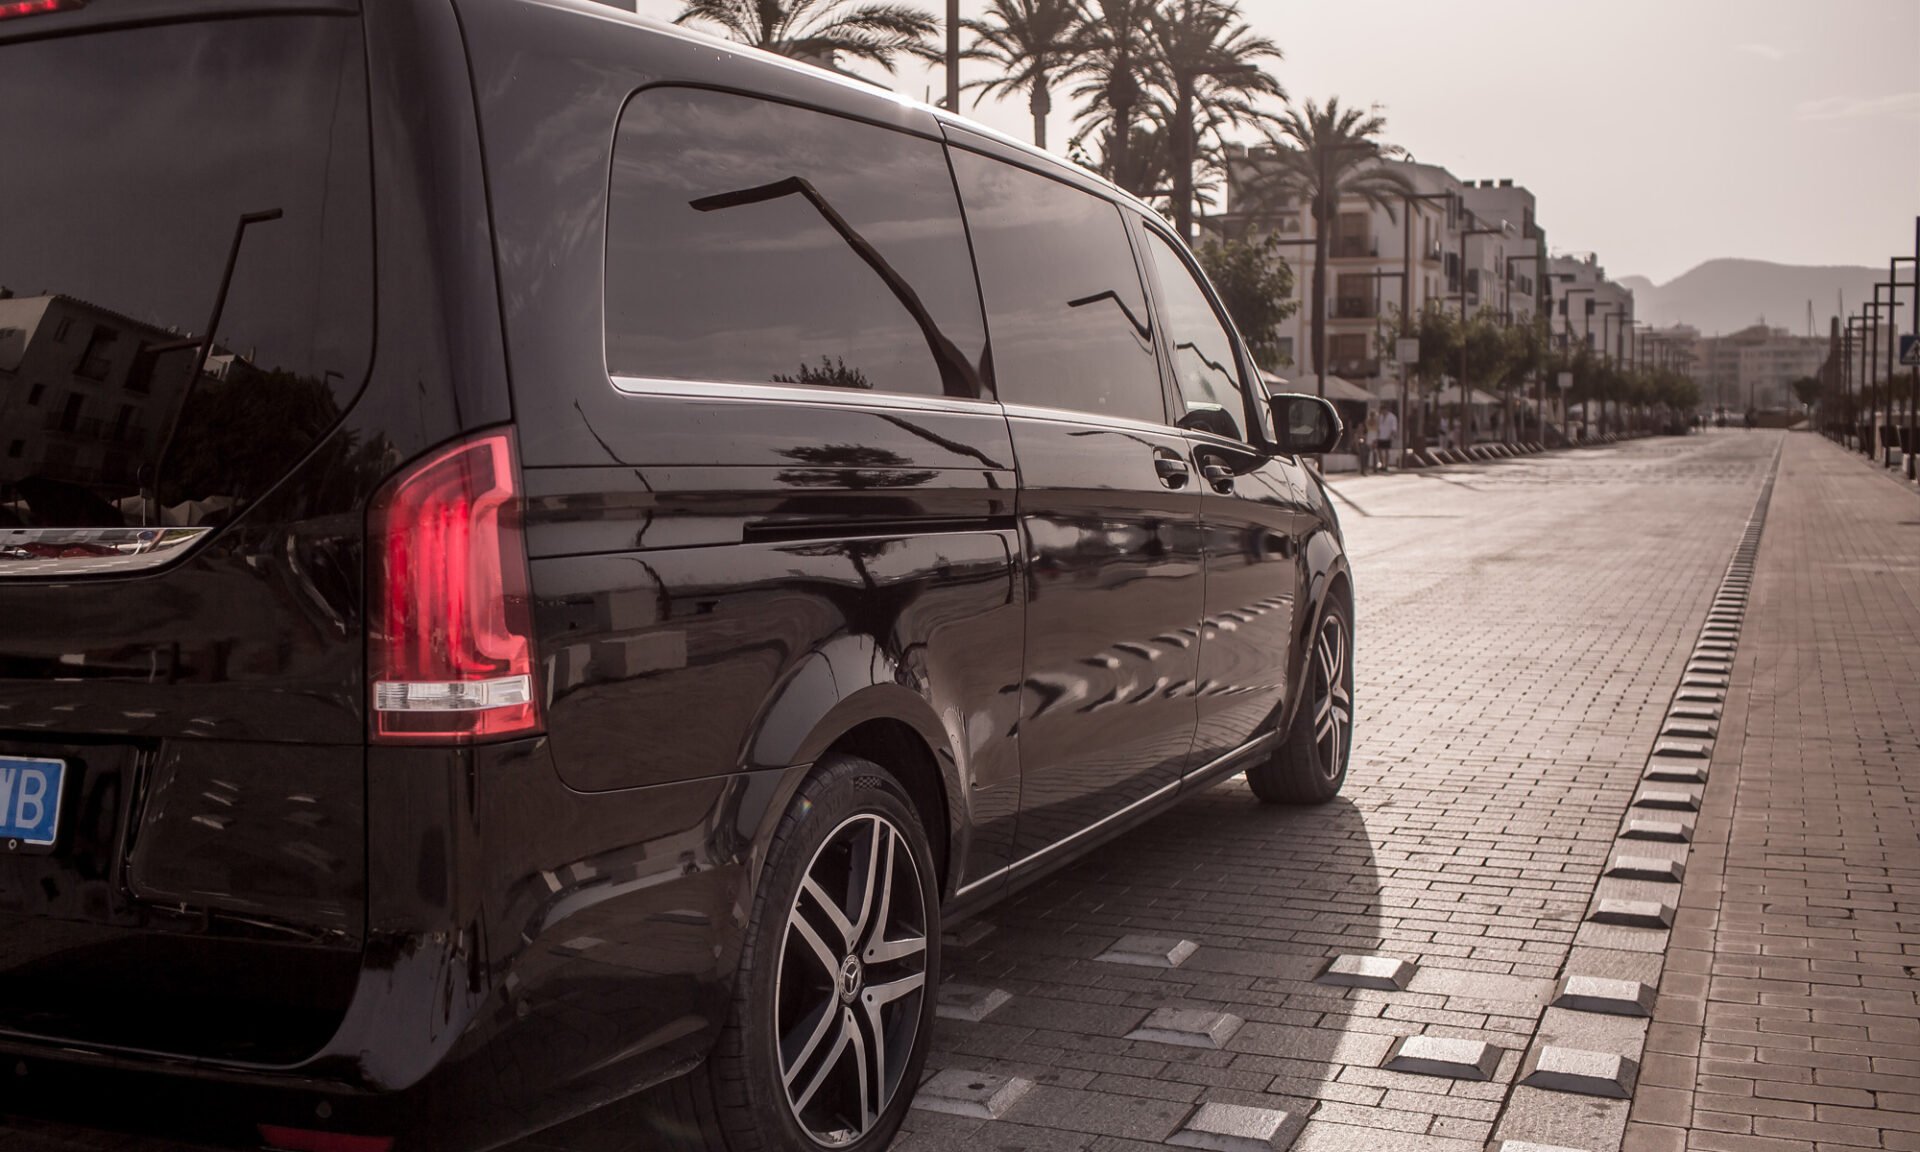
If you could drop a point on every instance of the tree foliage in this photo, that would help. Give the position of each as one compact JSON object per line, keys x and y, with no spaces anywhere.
{"x":1256,"y":286}
{"x":878,"y":33}
{"x":1327,"y":155}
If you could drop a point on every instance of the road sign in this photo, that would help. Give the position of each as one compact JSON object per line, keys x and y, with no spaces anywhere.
{"x":1910,"y":351}
{"x":1565,"y":381}
{"x":1407,"y":350}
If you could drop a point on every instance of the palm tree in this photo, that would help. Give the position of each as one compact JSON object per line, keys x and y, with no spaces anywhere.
{"x":1114,"y":51}
{"x":1204,"y":69}
{"x":1030,"y":43}
{"x":1327,"y":155}
{"x":818,"y":30}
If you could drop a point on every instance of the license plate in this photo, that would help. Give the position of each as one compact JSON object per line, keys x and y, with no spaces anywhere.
{"x":30,"y":802}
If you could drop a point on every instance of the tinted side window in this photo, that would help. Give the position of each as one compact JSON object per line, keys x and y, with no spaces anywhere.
{"x":755,"y":242}
{"x":1205,"y":362}
{"x":1064,"y":301}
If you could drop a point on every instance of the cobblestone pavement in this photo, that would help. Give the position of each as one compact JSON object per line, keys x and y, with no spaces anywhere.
{"x":1523,"y":626}
{"x":1787,"y":1018}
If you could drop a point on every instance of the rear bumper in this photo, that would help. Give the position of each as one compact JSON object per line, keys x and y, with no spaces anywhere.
{"x":532,"y":952}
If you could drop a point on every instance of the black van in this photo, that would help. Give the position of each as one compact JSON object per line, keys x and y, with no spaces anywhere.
{"x":543,"y":555}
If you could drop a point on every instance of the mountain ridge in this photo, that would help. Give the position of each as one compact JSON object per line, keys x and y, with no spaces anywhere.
{"x":1730,"y":293}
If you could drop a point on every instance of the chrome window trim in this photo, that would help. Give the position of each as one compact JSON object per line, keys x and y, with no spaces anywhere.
{"x":1092,"y":419}
{"x":134,"y":550}
{"x":798,"y":394}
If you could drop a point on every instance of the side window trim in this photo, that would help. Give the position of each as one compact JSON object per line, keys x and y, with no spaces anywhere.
{"x":1248,"y":371}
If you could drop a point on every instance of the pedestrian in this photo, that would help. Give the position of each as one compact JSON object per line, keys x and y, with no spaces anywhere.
{"x":1446,"y":433}
{"x":1384,"y":433}
{"x":1363,"y":437}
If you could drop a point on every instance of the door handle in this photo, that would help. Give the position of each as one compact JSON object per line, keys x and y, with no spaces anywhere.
{"x":1172,"y":470}
{"x":1219,"y":476}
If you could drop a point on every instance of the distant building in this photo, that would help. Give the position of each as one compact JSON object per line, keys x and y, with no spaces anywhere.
{"x":1756,"y":367}
{"x":1382,"y":259}
{"x":1588,"y":308}
{"x":84,"y":391}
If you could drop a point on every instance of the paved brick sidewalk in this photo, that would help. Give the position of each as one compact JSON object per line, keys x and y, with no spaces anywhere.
{"x":1788,"y":1019}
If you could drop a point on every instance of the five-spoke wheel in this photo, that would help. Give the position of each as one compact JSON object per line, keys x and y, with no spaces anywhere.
{"x":853,"y":970}
{"x":1332,"y":696}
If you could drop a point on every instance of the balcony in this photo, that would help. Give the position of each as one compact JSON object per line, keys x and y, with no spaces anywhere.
{"x":1355,"y":308}
{"x":1355,"y":369}
{"x":1434,"y":252}
{"x":1354,"y":247}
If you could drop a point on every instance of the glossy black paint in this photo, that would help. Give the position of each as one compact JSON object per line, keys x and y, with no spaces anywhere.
{"x":1017,"y":608}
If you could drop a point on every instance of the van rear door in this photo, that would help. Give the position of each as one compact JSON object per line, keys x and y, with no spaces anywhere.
{"x":186,"y":312}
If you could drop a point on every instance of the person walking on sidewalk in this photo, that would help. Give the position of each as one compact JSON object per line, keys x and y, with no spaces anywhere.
{"x":1383,"y":432}
{"x":1363,"y":437}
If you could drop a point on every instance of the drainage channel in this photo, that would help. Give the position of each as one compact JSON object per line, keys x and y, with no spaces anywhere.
{"x":1592,"y":1036}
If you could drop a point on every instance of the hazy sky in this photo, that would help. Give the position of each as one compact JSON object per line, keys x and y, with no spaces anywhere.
{"x":1658,"y":133}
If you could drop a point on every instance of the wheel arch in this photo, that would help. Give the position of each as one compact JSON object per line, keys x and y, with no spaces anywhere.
{"x":849,"y":697}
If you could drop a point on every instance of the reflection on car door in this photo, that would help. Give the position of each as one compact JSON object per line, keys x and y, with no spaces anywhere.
{"x":1250,"y":510}
{"x":1110,"y":509}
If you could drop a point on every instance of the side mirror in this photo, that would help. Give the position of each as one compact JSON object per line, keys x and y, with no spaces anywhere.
{"x":1306,"y":425}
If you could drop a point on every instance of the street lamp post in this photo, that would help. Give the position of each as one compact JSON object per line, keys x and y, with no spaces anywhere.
{"x":1465,"y":235}
{"x":1586,"y":339}
{"x":1540,"y":377}
{"x":1409,"y":201}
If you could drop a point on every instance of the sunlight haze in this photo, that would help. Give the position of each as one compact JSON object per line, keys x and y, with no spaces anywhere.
{"x":1658,"y":135}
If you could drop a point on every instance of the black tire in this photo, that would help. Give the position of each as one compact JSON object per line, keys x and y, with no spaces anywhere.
{"x":738,"y":1100}
{"x":1311,"y":765}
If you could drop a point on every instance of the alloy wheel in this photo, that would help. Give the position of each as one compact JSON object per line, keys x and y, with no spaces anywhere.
{"x":1332,"y":696}
{"x":853,"y":970}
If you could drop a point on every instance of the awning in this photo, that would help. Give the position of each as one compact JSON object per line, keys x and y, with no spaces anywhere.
{"x":1479,"y":397}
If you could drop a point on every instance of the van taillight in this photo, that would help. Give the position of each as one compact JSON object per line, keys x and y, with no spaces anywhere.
{"x":450,"y":653}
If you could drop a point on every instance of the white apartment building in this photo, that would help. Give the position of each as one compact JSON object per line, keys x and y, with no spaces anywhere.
{"x":1587,"y":307}
{"x":1381,"y":260}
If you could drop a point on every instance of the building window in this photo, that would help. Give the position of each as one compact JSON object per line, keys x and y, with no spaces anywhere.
{"x":95,"y":362}
{"x":1348,"y":348}
{"x":61,"y":329}
{"x":34,"y":393}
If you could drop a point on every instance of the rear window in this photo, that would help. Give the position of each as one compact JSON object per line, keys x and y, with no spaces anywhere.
{"x":759,"y":243}
{"x":131,"y":159}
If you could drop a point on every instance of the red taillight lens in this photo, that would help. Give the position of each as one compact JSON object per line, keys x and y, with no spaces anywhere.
{"x":451,"y":650}
{"x":12,"y":8}
{"x":309,"y":1140}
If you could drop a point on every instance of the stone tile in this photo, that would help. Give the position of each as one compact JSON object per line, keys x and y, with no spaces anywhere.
{"x":1599,"y":994}
{"x":1237,"y":1128}
{"x":1633,"y":914}
{"x":1149,"y":951}
{"x":1579,"y":1071}
{"x":1188,"y":1028}
{"x":1379,"y":972}
{"x":979,"y":1095}
{"x":968,"y":1001}
{"x":1658,"y":868}
{"x":1439,"y":1056}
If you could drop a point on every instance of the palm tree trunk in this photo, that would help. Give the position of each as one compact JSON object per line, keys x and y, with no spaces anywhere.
{"x":1040,"y":102}
{"x":1320,"y":246}
{"x":1183,"y":161}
